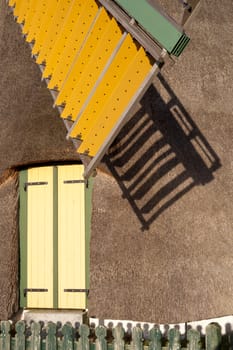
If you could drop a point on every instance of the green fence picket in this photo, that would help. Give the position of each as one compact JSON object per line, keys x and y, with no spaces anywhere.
{"x":155,"y":339}
{"x":174,"y":339}
{"x":118,"y":334}
{"x":54,"y":340}
{"x":51,"y":340}
{"x":194,"y":340}
{"x":5,"y":336}
{"x":35,"y":341}
{"x":84,"y":332}
{"x":213,"y":336}
{"x":137,"y":338}
{"x":20,"y":335}
{"x":101,"y":343}
{"x":68,"y":338}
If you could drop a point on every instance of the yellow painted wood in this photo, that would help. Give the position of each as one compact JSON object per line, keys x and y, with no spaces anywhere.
{"x":46,"y":20}
{"x":64,"y":34}
{"x":22,"y":12}
{"x":75,"y":42}
{"x":40,"y":238}
{"x":85,"y":55}
{"x":105,"y":89}
{"x":117,"y":103}
{"x":90,"y":74}
{"x":29,"y":16}
{"x":87,"y":77}
{"x":71,"y":237}
{"x":17,"y":7}
{"x":11,"y":3}
{"x":37,"y":19}
{"x":54,"y":29}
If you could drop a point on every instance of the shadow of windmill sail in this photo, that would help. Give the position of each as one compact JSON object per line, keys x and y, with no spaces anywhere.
{"x":160,"y":155}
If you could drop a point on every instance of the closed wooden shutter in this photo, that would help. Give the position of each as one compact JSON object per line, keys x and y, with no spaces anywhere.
{"x":40,"y":237}
{"x":71,"y":238}
{"x":53,"y":238}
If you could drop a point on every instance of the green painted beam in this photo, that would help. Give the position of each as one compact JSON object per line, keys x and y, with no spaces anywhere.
{"x":23,"y":236}
{"x":88,"y":214}
{"x":55,"y":237}
{"x":155,"y":23}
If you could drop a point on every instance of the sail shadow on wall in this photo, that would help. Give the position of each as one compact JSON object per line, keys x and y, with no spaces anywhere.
{"x":160,"y":155}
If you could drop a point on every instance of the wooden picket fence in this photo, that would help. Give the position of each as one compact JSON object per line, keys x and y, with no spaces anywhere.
{"x":35,"y":336}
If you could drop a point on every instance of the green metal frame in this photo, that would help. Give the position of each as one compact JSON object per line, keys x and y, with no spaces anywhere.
{"x":162,"y":28}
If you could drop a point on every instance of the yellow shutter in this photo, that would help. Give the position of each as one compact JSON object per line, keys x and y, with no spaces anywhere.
{"x":53,"y":260}
{"x":40,"y":238}
{"x":71,"y":237}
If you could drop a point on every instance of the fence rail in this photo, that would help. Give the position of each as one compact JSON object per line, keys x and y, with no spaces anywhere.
{"x":36,"y":336}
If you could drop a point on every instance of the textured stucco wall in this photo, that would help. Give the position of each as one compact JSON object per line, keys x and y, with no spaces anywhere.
{"x":162,"y":228}
{"x":9,"y":246}
{"x":30,"y":133}
{"x":31,"y":130}
{"x":172,"y":176}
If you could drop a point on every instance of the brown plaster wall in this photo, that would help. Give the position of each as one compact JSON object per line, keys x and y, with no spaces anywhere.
{"x":31,"y":130}
{"x":169,"y":173}
{"x":9,"y":246}
{"x":162,"y":203}
{"x":30,"y":133}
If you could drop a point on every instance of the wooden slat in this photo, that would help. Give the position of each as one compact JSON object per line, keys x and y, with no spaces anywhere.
{"x":29,"y":16}
{"x":46,"y":20}
{"x":35,"y":23}
{"x":75,"y":42}
{"x":12,"y":2}
{"x":213,"y":336}
{"x":122,"y":94}
{"x":17,"y":6}
{"x":15,"y":336}
{"x":21,"y":11}
{"x":84,"y":57}
{"x":105,"y":89}
{"x":62,"y":39}
{"x":71,"y":237}
{"x":40,"y":238}
{"x":54,"y":29}
{"x":92,"y":71}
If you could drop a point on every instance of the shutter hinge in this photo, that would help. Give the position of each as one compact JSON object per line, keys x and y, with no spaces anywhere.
{"x":26,"y":184}
{"x":76,"y":182}
{"x":73,"y":290}
{"x":26,"y":290}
